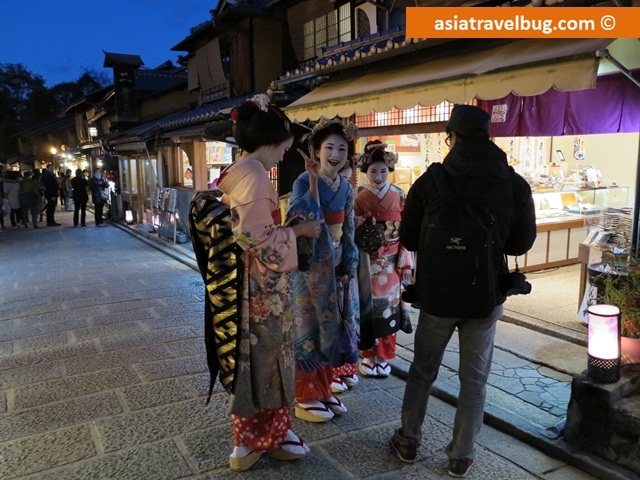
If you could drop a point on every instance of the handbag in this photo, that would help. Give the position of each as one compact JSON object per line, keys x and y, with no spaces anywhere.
{"x":6,"y":206}
{"x":369,"y":236}
{"x":104,"y":194}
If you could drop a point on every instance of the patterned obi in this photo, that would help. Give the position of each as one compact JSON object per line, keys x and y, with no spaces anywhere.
{"x":391,"y":225}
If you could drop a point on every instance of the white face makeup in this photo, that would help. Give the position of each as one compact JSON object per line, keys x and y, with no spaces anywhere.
{"x":332,"y":155}
{"x":378,"y":175}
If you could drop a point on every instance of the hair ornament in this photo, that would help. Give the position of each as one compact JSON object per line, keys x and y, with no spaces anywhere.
{"x":389,"y":158}
{"x":349,"y":130}
{"x":262,"y":101}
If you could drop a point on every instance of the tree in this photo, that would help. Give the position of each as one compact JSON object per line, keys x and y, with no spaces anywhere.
{"x":25,"y":101}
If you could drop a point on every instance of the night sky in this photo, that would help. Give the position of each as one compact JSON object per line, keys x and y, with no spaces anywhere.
{"x":57,"y":39}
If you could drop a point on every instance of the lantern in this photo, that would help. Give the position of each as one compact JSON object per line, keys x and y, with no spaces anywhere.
{"x":603,"y":365}
{"x":128,"y":217}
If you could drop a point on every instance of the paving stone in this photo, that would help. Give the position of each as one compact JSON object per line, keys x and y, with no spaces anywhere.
{"x":155,"y":424}
{"x":58,"y":415}
{"x":55,"y":352}
{"x":33,"y":373}
{"x":199,"y":384}
{"x":116,"y":358}
{"x":109,"y":331}
{"x":35,"y":454}
{"x":367,"y":452}
{"x":366,"y":410}
{"x":42,"y":341}
{"x":209,"y":449}
{"x":182,"y":309}
{"x":191,"y":346}
{"x":138,"y":397}
{"x":3,"y":402}
{"x":6,"y":348}
{"x":158,"y":461}
{"x":147,"y":338}
{"x":175,"y":367}
{"x":487,"y":465}
{"x":69,"y":387}
{"x":558,"y":376}
{"x":527,"y":373}
{"x":142,"y":315}
{"x":177,"y":321}
{"x":568,"y":472}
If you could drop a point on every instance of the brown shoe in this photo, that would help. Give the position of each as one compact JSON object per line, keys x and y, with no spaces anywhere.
{"x":406,"y":453}
{"x":459,"y":467}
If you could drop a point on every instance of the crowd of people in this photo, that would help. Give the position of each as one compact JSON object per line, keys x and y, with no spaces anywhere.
{"x":321,"y":287}
{"x":29,"y":196}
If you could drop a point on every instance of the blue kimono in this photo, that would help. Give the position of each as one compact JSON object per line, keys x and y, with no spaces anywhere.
{"x":325,"y":317}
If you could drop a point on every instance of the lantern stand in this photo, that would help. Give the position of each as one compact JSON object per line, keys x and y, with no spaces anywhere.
{"x":603,"y":351}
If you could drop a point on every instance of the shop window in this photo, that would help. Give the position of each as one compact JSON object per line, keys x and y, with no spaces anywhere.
{"x":327,"y":30}
{"x":218,"y":155}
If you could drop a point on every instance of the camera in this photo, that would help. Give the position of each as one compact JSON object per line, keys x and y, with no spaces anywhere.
{"x":515,"y":283}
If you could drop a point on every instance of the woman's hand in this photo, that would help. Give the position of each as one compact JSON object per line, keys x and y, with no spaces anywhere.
{"x":405,"y":275}
{"x":307,"y":228}
{"x":359,"y":219}
{"x":311,"y":164}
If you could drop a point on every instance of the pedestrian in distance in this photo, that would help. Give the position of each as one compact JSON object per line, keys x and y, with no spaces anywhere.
{"x":30,"y":198}
{"x":79,"y":186}
{"x":324,"y":290}
{"x":474,"y":183}
{"x":99,"y":188}
{"x":50,"y":184}
{"x":66,"y":191}
{"x":385,"y":267}
{"x":264,"y":384}
{"x":12,"y":192}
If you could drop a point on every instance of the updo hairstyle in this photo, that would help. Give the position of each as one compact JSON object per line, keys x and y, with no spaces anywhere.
{"x":320,"y":135}
{"x":375,"y":151}
{"x":253,"y":127}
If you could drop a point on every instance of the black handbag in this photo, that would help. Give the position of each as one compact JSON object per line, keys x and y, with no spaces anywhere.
{"x":369,"y":236}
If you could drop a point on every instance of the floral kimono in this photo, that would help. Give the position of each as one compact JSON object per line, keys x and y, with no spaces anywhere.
{"x":326,"y":318}
{"x":265,"y":373}
{"x":380,"y":286}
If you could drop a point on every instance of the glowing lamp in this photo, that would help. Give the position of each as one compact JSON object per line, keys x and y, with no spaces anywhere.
{"x":603,"y":350}
{"x":128,"y":217}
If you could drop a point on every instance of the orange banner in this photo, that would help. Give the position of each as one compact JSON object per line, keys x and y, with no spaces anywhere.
{"x":521,"y":22}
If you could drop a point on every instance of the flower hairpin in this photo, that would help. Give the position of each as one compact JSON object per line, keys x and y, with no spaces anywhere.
{"x":389,"y":158}
{"x":349,"y":130}
{"x":262,"y":101}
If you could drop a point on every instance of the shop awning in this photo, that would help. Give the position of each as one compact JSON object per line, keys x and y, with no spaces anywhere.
{"x":523,"y":67}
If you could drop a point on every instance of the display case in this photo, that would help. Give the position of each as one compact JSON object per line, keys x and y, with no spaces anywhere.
{"x":562,"y":220}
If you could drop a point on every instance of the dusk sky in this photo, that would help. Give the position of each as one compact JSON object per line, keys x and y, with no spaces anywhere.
{"x":57,"y":39}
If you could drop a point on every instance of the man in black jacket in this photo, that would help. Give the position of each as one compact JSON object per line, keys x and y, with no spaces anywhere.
{"x":50,"y":184}
{"x":477,"y":173}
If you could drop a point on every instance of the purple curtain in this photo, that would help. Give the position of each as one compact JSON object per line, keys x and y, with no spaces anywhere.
{"x":612,"y":107}
{"x":505,"y":115}
{"x":544,"y":115}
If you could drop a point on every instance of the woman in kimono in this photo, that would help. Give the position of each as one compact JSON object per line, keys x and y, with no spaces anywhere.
{"x":386,"y":269}
{"x":265,"y":373}
{"x":325,"y":306}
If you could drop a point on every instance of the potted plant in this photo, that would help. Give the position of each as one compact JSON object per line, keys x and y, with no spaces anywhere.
{"x":623,"y":289}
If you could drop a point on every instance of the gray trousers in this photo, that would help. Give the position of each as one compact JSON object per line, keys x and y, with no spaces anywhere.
{"x":476,"y":338}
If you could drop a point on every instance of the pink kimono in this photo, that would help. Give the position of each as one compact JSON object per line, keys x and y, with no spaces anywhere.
{"x":265,"y":382}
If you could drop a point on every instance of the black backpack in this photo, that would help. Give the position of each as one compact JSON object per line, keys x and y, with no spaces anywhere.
{"x":462,"y":255}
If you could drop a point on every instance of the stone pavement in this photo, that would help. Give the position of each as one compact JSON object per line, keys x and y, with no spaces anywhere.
{"x":103,"y":375}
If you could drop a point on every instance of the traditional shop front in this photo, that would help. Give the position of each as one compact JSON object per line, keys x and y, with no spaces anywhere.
{"x":606,"y":144}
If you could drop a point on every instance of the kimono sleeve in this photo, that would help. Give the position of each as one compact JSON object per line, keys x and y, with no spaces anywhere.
{"x":302,"y":202}
{"x":257,"y":234}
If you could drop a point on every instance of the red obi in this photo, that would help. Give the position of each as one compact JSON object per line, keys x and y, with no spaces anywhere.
{"x":334,"y":217}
